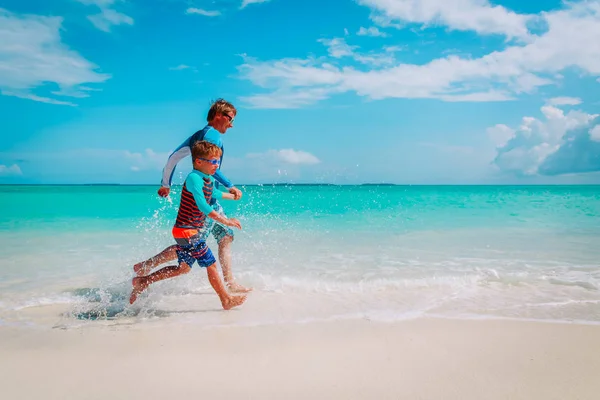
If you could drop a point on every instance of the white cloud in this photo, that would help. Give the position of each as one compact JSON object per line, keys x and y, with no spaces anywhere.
{"x":393,"y":49}
{"x":556,"y":145}
{"x":564,"y":101}
{"x":375,"y":59}
{"x":200,"y":11}
{"x":338,"y":48}
{"x":290,"y":72}
{"x":476,"y":15}
{"x":572,"y":41}
{"x":148,"y":160}
{"x":372,"y":31}
{"x":490,"y":95}
{"x":13,"y":170}
{"x":246,"y":3}
{"x":285,"y":99}
{"x":500,"y":134}
{"x":595,"y":133}
{"x":40,"y":99}
{"x":108,"y":17}
{"x":81,"y":92}
{"x":32,"y":55}
{"x":288,"y":156}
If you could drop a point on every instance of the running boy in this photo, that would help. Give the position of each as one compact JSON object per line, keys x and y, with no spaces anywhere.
{"x":194,"y":222}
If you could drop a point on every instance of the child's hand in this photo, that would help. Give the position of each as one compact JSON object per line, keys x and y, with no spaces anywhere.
{"x":234,"y":223}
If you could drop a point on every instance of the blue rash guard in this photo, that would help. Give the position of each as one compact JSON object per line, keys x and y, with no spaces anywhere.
{"x":207,"y":133}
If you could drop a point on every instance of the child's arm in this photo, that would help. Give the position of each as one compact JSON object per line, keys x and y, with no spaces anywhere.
{"x":227,"y":195}
{"x":221,"y":194}
{"x":195,"y":184}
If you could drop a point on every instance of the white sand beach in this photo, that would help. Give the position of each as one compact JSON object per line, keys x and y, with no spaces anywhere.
{"x":416,"y":359}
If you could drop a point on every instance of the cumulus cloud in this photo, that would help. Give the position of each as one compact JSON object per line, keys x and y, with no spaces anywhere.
{"x":288,"y":156}
{"x":572,"y":40}
{"x":107,"y":17}
{"x":595,"y":133}
{"x":465,"y":15}
{"x":338,"y":48}
{"x":371,"y":31}
{"x":12,"y":170}
{"x":32,"y":55}
{"x":558,"y":144}
{"x":500,"y":134}
{"x":200,"y":11}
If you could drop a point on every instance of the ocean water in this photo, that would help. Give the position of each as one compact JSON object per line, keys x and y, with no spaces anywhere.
{"x":311,"y":253}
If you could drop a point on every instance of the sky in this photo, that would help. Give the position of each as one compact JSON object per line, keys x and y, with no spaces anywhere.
{"x":339,"y":91}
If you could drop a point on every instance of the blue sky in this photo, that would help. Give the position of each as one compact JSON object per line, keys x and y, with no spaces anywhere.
{"x":343,"y":91}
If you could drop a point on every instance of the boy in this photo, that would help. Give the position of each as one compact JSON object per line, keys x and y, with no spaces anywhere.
{"x":194,"y":222}
{"x":219,"y":118}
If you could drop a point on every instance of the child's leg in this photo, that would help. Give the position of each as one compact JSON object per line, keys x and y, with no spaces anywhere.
{"x":227,"y":301}
{"x":144,"y":267}
{"x":141,"y":283}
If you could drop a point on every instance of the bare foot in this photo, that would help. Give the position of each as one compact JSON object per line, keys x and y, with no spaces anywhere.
{"x":237,"y":288}
{"x":142,"y":269}
{"x":139,"y":285}
{"x":233,"y":301}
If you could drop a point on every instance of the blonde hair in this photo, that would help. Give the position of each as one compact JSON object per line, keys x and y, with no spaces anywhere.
{"x":204,"y":149}
{"x":220,"y":106}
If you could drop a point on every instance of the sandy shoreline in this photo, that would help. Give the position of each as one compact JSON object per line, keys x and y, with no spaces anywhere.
{"x":418,"y":359}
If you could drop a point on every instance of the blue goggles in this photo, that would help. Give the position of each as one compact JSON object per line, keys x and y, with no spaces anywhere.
{"x":213,"y":162}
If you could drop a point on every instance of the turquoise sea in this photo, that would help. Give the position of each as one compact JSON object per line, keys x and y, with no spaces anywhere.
{"x":311,"y":252}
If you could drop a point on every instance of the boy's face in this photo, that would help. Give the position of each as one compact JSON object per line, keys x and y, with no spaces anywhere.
{"x":207,"y":165}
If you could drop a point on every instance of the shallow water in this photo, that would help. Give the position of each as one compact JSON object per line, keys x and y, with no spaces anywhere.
{"x":310,"y":252}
